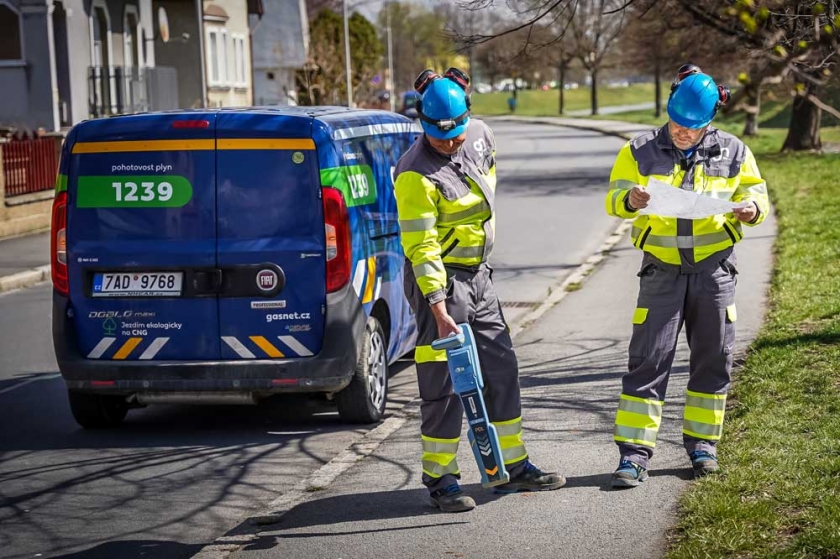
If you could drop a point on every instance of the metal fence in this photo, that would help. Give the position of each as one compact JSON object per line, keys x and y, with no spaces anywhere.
{"x":120,"y":90}
{"x":29,"y":165}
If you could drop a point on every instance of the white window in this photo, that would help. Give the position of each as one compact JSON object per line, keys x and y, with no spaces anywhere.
{"x":239,"y":77}
{"x":217,"y":56}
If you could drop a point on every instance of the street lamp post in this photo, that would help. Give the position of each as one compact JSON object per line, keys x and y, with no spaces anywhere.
{"x":347,"y":57}
{"x":392,"y":95}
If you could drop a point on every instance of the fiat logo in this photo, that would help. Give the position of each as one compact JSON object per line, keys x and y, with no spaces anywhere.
{"x":267,"y":280}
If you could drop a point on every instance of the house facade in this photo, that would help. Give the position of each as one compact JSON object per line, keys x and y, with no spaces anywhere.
{"x":280,"y":42}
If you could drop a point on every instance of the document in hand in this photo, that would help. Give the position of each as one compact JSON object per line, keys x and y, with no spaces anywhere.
{"x":671,"y":201}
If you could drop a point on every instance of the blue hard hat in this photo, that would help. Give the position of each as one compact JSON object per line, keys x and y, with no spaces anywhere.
{"x":694,"y":101}
{"x":444,"y":109}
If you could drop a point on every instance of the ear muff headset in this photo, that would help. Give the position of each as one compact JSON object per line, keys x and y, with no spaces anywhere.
{"x":427,"y":76}
{"x":690,"y":69}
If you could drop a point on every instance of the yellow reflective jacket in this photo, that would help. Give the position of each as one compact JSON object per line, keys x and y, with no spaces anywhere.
{"x":446,"y":207}
{"x":722,"y":167}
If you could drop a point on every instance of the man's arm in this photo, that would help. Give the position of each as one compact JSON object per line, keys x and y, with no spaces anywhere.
{"x":417,"y":207}
{"x":752,"y":188}
{"x":623,"y":178}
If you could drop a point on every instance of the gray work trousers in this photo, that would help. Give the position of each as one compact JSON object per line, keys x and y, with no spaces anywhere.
{"x":704,"y":302}
{"x":470,"y":298}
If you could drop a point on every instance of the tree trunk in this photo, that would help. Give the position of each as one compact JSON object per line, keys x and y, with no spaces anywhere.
{"x":562,"y":88}
{"x":804,"y":129}
{"x":594,"y":74}
{"x":753,"y":106}
{"x":657,"y":84}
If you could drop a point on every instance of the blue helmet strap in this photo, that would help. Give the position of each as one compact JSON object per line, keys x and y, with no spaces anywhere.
{"x":446,"y":124}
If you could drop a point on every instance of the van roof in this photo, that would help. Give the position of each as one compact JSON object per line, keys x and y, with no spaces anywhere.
{"x":334,"y":119}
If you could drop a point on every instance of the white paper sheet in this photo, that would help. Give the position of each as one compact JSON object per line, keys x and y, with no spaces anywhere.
{"x":671,"y":201}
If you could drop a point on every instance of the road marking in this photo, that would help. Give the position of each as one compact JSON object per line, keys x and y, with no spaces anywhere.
{"x":28,"y":381}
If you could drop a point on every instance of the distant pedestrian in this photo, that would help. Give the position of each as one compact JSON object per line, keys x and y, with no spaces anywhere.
{"x":445,"y":190}
{"x":512,"y":103}
{"x":688,"y":272}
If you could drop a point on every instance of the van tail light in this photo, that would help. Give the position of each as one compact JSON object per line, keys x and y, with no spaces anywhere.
{"x":58,"y":244}
{"x":337,"y":226}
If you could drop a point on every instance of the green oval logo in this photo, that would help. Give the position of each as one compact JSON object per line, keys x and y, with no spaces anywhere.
{"x":297,"y":157}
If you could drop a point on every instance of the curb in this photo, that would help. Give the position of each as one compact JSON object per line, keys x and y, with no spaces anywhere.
{"x":582,"y":125}
{"x":22,"y":280}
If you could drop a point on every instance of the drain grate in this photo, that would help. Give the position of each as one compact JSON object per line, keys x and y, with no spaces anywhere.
{"x":520,"y":304}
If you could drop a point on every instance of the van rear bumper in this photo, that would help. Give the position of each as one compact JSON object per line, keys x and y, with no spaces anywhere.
{"x":329,"y":371}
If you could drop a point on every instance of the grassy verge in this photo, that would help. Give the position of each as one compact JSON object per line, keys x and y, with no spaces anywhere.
{"x":545,"y":103}
{"x":779,"y":493}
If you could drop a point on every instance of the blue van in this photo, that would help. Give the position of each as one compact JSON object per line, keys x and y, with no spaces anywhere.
{"x":223,"y":256}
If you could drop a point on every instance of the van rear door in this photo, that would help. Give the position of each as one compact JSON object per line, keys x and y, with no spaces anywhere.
{"x":271,"y":237}
{"x":141,"y":237}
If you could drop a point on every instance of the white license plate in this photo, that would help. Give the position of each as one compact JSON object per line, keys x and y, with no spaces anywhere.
{"x":138,"y":284}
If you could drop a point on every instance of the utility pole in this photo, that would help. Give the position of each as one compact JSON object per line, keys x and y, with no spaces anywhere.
{"x":392,"y":96}
{"x":347,"y":57}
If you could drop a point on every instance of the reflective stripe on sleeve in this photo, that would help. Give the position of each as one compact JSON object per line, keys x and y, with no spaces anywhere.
{"x":428,"y":268}
{"x":417,"y":225}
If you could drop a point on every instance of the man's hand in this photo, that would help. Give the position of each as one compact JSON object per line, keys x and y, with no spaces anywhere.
{"x":639,"y":198}
{"x":746,"y":214}
{"x":446,"y":325}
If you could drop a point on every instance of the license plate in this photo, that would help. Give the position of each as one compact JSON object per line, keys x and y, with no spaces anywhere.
{"x":138,"y":284}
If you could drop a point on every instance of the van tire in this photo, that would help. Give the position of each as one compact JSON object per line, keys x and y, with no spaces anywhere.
{"x":364,"y":399}
{"x":97,"y":411}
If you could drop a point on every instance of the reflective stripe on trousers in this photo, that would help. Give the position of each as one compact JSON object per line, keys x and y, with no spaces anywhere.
{"x":703,"y":416}
{"x":637,"y":420}
{"x":510,"y":440}
{"x":439,"y":456}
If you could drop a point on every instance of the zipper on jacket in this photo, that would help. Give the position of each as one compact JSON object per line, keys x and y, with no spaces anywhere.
{"x":730,"y":232}
{"x":449,"y":249}
{"x":644,"y":237}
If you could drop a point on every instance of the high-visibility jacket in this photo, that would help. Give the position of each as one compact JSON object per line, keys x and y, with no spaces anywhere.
{"x":722,"y":167}
{"x":446,"y":207}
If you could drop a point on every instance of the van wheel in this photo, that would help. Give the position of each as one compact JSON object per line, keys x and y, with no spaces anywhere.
{"x":363,"y":400}
{"x":97,"y":411}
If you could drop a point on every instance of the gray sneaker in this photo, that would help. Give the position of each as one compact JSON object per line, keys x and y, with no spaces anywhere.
{"x":451,"y":499}
{"x":532,"y":479}
{"x":703,"y":463}
{"x":628,"y":474}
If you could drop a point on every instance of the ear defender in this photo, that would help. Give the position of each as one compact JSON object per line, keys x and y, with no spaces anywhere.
{"x":684,"y":71}
{"x":723,"y":96}
{"x":462,"y":79}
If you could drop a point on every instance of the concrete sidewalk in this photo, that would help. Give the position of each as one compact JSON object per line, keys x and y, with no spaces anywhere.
{"x":571,"y":364}
{"x":24,"y":261}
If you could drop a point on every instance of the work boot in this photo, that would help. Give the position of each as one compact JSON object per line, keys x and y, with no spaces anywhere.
{"x":532,"y":479}
{"x":451,"y":499}
{"x":628,"y":474}
{"x":703,"y":463}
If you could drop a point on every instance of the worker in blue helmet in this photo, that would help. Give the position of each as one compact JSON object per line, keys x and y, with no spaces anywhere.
{"x":445,"y":189}
{"x":687,"y":273}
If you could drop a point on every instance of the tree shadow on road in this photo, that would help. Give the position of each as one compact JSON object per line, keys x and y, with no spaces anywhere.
{"x":135,"y":549}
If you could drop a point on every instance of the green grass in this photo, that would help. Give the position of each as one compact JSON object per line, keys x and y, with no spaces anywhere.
{"x":779,"y":492}
{"x":545,"y":103}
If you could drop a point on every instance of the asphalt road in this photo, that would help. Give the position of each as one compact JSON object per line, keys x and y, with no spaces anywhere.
{"x":173,"y":478}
